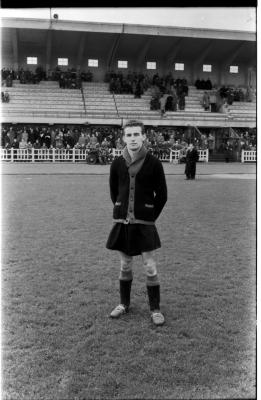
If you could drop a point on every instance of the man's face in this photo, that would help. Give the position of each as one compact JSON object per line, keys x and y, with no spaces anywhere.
{"x":133,"y":137}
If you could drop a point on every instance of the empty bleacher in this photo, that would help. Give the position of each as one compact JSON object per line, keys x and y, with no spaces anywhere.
{"x":99,"y":102}
{"x":45,"y":99}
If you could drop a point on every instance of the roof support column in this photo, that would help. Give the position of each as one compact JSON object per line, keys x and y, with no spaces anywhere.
{"x":172,"y":54}
{"x":15,"y":49}
{"x":48,"y":51}
{"x":229,"y":61}
{"x":80,"y":51}
{"x":200,"y":60}
{"x":142,"y":54}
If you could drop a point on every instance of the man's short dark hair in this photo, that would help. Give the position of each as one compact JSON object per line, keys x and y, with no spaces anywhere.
{"x":134,"y":122}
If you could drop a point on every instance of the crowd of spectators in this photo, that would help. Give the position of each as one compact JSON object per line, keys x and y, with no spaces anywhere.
{"x":168,"y":94}
{"x":231,"y":94}
{"x":82,"y":137}
{"x":64,"y":137}
{"x":70,"y":78}
{"x":202,"y":84}
{"x":132,"y":83}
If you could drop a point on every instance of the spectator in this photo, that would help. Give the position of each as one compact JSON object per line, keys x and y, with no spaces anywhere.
{"x":15,"y":144}
{"x":211,"y":143}
{"x":192,"y":156}
{"x":37,"y":144}
{"x":23,"y":144}
{"x":93,"y":140}
{"x":206,"y":101}
{"x":228,"y":152}
{"x":182,"y":101}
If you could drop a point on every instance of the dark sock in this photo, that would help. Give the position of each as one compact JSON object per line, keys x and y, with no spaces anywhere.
{"x":154,"y":297}
{"x":125,"y":289}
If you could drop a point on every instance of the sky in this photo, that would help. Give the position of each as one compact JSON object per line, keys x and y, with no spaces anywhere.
{"x":228,"y":18}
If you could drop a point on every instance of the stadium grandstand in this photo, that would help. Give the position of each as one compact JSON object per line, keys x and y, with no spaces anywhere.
{"x":68,"y":86}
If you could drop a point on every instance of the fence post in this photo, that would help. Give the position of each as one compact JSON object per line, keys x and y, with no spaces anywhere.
{"x":12,"y":154}
{"x":207,"y":155}
{"x":73,"y":155}
{"x":53,"y":154}
{"x":242,"y":156}
{"x":32,"y":154}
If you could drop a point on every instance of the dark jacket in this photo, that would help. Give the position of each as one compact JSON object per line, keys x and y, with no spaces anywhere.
{"x":143,"y":195}
{"x":192,"y":156}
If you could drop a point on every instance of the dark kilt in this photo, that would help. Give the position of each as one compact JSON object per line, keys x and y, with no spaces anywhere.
{"x":133,"y":239}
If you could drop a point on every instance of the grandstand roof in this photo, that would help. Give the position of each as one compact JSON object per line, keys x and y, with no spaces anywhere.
{"x":130,"y":39}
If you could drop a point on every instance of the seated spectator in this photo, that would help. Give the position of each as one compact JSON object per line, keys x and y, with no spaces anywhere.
{"x":29,"y":146}
{"x":37,"y":144}
{"x":105,"y":143}
{"x":15,"y":143}
{"x":23,"y":144}
{"x":44,"y":147}
{"x":59,"y":141}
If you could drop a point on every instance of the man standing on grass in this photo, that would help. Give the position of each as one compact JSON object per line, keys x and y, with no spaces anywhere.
{"x":139,"y":192}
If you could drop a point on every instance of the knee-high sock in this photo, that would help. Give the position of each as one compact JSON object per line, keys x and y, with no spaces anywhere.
{"x":154,"y":297}
{"x":125,"y":290}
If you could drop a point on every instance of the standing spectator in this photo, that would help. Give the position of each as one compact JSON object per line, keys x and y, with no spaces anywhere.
{"x":25,"y":135}
{"x":228,"y":152}
{"x":182,"y":101}
{"x":134,"y":232}
{"x":82,"y":141}
{"x":211,"y":143}
{"x":93,"y":140}
{"x":162,"y":104}
{"x":192,"y":156}
{"x":11,"y":135}
{"x":206,"y":101}
{"x":8,"y":143}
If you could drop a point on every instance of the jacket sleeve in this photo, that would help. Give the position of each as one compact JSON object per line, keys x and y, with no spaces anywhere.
{"x":113,"y":182}
{"x":160,"y":189}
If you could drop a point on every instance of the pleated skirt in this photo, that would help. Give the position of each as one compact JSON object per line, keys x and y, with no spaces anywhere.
{"x":133,"y":239}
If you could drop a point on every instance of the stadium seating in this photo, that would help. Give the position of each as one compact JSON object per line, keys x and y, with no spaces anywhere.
{"x":47,"y":99}
{"x":99,"y":102}
{"x":43,"y":99}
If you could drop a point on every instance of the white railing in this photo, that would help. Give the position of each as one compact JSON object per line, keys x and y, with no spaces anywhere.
{"x":51,"y":155}
{"x":172,"y":157}
{"x":74,"y":155}
{"x":248,"y":156}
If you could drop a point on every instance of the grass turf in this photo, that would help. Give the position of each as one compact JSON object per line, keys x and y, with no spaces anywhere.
{"x":60,"y":283}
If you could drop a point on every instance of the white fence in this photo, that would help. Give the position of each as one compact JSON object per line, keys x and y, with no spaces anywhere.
{"x":172,"y":156}
{"x":76,"y":155}
{"x":50,"y":155}
{"x":248,"y":156}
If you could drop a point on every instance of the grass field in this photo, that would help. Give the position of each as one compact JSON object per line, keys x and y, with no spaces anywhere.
{"x":59,"y":284}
